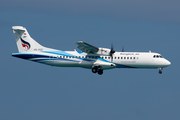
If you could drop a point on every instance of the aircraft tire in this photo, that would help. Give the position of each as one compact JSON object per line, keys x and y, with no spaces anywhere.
{"x":100,"y":72}
{"x":94,"y":70}
{"x":160,"y":72}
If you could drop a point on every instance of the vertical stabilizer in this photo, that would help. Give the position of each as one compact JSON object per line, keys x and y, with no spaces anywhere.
{"x":24,"y":41}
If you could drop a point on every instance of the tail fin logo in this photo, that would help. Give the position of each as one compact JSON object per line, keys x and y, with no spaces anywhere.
{"x":25,"y":44}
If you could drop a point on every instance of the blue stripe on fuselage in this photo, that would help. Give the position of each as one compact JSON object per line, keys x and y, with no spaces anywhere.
{"x":47,"y":57}
{"x":63,"y":53}
{"x":42,"y":58}
{"x":122,"y":66}
{"x":29,"y":55}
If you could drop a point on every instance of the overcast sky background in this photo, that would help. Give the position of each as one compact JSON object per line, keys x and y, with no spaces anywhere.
{"x":33,"y":91}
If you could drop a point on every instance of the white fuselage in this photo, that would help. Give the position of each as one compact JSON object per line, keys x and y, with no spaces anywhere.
{"x":81,"y":59}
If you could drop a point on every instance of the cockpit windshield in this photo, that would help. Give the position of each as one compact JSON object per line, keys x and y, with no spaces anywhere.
{"x":157,"y":56}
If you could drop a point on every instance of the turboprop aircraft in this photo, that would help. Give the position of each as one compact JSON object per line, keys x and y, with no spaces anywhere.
{"x":91,"y":57}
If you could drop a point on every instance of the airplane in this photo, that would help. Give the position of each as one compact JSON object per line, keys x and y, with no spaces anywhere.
{"x":95,"y":58}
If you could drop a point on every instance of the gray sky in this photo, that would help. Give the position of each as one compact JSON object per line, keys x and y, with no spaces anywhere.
{"x":157,"y":10}
{"x":34,"y":91}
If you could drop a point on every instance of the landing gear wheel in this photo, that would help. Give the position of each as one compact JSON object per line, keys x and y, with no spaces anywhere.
{"x":160,"y":72}
{"x":94,"y":70}
{"x":100,"y":72}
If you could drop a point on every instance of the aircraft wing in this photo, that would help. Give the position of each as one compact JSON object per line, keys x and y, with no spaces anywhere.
{"x":85,"y":47}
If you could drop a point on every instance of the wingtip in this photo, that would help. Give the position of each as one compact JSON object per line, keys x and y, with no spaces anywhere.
{"x":79,"y":42}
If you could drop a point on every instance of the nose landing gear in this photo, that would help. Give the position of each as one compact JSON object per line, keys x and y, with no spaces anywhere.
{"x":160,"y":70}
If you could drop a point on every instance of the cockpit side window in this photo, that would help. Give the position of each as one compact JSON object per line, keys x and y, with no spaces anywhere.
{"x":157,"y":56}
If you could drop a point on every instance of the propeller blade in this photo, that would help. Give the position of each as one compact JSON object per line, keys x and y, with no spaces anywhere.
{"x":122,"y":48}
{"x":111,"y":46}
{"x":112,"y":52}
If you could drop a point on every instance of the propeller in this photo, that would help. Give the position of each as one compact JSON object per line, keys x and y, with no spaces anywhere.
{"x":122,"y":48}
{"x":112,"y":52}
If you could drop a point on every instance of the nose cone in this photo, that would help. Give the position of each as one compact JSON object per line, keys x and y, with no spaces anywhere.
{"x":167,"y":63}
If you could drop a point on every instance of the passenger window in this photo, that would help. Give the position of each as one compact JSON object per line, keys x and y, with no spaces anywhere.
{"x":127,"y":57}
{"x":105,"y":57}
{"x":118,"y":57}
{"x":124,"y":57}
{"x":114,"y":57}
{"x":108,"y":57}
{"x":130,"y":57}
{"x":134,"y":58}
{"x":121,"y":57}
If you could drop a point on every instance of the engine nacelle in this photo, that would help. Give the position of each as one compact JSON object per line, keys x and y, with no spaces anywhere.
{"x":103,"y":51}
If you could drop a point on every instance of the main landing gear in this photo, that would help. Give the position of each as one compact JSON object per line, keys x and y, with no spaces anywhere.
{"x":160,"y":70}
{"x":97,"y":69}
